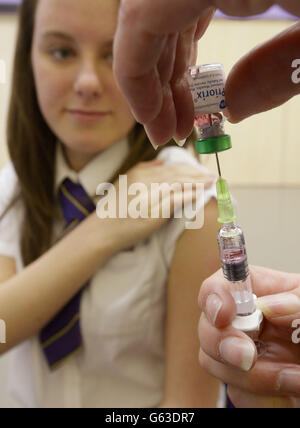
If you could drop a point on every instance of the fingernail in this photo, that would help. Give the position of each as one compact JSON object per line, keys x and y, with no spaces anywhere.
{"x":155,"y":146}
{"x":289,"y":381}
{"x":180,"y":143}
{"x":237,"y":352}
{"x":213,"y":307}
{"x":279,"y":305}
{"x":212,"y":178}
{"x":208,"y":185}
{"x":227,"y":115}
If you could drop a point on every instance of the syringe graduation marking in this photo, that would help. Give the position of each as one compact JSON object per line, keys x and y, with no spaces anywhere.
{"x":235,"y":265}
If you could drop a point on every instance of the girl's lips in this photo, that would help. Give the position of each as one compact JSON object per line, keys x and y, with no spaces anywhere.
{"x":86,"y":116}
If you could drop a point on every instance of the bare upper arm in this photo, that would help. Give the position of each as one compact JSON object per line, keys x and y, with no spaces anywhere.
{"x":195,"y":258}
{"x":8,"y":268}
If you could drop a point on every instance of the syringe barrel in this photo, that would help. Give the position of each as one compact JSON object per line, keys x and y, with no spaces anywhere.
{"x":242,"y":293}
{"x":235,"y":267}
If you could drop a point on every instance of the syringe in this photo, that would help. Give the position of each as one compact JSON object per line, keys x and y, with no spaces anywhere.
{"x":233,"y":254}
{"x":235,"y":267}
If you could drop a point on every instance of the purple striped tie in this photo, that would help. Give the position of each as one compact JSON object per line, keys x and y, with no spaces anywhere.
{"x":229,"y":404}
{"x":62,"y":336}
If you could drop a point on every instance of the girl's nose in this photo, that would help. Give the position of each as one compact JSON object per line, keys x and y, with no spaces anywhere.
{"x":88,"y":84}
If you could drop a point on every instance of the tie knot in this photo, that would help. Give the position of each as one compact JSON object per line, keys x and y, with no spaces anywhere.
{"x":75,"y":202}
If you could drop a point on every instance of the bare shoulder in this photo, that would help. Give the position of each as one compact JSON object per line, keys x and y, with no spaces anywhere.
{"x":196,"y":258}
{"x":199,"y":247}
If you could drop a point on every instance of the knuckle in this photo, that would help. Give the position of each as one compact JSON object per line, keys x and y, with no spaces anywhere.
{"x":204,"y":361}
{"x":207,"y":284}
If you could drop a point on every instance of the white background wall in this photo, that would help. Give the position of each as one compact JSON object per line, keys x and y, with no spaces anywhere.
{"x":263,"y":167}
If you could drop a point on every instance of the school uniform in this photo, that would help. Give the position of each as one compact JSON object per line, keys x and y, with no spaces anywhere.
{"x":122,"y":311}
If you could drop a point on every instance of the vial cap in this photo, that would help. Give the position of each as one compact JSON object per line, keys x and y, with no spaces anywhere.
{"x":213,"y":145}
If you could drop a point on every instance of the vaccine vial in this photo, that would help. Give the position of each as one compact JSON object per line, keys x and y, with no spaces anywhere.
{"x":207,"y":86}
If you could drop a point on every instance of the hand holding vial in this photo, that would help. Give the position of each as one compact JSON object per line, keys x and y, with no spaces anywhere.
{"x":151,"y":57}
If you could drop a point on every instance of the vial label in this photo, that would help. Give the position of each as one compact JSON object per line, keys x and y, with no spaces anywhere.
{"x":207,"y":86}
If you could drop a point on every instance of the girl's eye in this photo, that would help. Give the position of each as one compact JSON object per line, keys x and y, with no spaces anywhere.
{"x":61,"y":54}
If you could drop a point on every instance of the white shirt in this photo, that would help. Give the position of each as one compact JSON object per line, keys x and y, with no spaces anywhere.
{"x":122,"y":310}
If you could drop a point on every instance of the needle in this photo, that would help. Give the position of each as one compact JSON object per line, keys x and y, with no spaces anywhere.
{"x":219,"y":169}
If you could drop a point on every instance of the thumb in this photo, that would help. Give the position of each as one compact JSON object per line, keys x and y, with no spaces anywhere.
{"x":262,"y":79}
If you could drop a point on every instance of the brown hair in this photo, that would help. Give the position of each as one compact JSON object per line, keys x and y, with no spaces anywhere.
{"x":32,"y":146}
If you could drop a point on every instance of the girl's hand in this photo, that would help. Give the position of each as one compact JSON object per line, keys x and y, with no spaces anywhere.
{"x":125,"y":232}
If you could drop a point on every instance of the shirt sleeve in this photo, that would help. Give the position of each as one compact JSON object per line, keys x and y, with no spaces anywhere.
{"x":9,"y":225}
{"x":171,"y":232}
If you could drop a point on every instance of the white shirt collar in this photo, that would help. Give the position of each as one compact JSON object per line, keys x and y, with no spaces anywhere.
{"x":99,"y":170}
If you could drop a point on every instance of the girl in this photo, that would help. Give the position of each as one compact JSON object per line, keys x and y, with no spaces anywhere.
{"x":102,"y":313}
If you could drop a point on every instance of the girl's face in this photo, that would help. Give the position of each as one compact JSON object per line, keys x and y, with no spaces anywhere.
{"x":72,"y":66}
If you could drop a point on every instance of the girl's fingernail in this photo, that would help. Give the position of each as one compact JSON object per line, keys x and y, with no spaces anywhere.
{"x":213,"y":307}
{"x":211,"y":178}
{"x":279,"y":305}
{"x":238,"y":352}
{"x":289,"y":381}
{"x":208,"y":185}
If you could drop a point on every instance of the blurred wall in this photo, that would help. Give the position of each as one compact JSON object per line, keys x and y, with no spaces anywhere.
{"x":266,"y":148}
